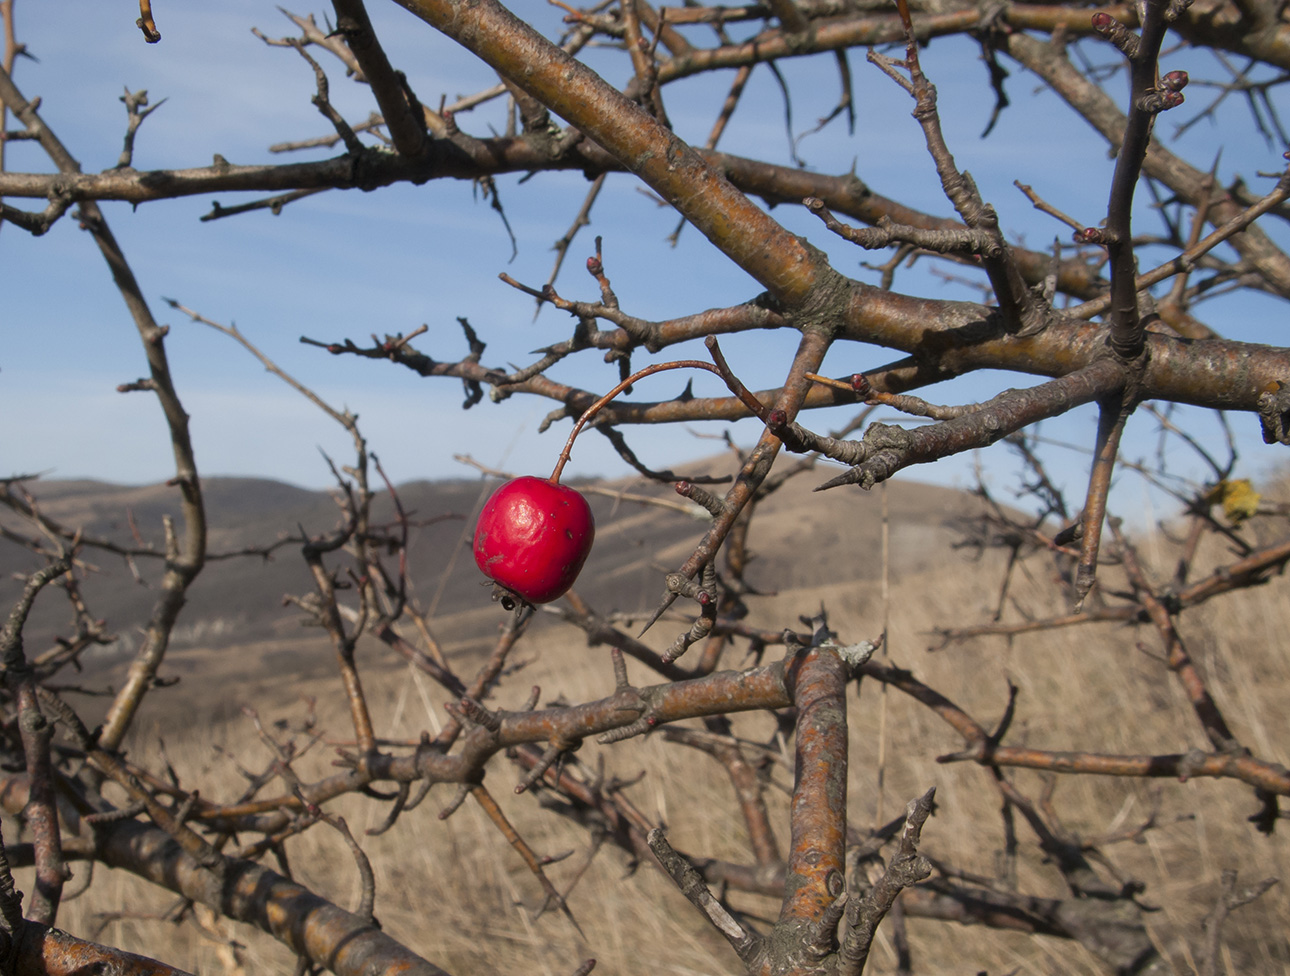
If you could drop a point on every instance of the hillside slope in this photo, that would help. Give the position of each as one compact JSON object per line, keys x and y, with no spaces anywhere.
{"x":238,"y":599}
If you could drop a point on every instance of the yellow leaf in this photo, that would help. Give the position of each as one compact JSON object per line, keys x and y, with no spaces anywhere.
{"x":1238,"y":498}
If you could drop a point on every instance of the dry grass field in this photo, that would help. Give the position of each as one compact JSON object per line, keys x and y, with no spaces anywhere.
{"x":456,"y":893}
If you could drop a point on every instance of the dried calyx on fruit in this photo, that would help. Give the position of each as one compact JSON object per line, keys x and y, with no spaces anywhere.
{"x":534,"y":534}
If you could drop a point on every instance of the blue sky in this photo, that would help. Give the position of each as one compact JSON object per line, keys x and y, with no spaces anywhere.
{"x":350,"y":264}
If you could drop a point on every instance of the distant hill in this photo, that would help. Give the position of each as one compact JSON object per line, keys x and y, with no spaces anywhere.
{"x":799,"y":539}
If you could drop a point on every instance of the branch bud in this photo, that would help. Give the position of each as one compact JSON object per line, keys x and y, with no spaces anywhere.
{"x":1116,"y":33}
{"x":1159,"y":100}
{"x":1093,"y":235}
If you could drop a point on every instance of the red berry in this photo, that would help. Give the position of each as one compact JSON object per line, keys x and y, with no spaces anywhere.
{"x":533,"y":537}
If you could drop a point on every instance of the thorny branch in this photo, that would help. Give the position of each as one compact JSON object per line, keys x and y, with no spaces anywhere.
{"x":832,"y":891}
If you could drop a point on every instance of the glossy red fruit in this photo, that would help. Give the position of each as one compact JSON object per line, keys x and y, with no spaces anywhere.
{"x":533,"y":537}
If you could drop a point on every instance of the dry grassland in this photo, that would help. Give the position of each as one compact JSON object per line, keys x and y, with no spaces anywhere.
{"x":458,"y":895}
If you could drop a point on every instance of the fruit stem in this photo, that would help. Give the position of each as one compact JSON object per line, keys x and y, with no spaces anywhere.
{"x":755,"y":406}
{"x":596,"y":407}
